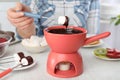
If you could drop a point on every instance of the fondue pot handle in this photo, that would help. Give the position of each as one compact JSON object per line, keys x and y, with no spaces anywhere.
{"x":96,"y":37}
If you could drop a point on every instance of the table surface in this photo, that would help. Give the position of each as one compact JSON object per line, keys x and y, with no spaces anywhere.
{"x":94,"y":68}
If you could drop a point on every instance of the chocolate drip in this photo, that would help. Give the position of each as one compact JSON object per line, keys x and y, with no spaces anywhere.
{"x":66,"y":21}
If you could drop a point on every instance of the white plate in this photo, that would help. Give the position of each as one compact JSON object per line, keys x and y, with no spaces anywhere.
{"x":9,"y":63}
{"x":95,"y":45}
{"x":106,"y":58}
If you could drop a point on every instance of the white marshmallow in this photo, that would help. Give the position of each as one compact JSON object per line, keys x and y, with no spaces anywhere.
{"x":61,"y":20}
{"x":43,"y":42}
{"x":34,"y":44}
{"x":24,"y":61}
{"x":32,"y":38}
{"x":25,"y":42}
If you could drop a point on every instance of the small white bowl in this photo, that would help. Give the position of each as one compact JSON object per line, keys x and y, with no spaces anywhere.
{"x":35,"y":44}
{"x":35,"y":49}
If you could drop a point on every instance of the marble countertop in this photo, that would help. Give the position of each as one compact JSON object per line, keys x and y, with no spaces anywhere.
{"x":94,"y":68}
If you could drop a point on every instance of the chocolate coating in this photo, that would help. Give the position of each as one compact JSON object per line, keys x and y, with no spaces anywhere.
{"x":21,"y":55}
{"x":30,"y":60}
{"x":66,"y":21}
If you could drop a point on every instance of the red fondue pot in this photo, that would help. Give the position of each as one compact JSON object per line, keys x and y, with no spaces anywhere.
{"x":67,"y":43}
{"x":64,"y":49}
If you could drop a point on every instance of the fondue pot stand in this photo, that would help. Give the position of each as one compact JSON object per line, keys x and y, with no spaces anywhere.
{"x":64,"y":60}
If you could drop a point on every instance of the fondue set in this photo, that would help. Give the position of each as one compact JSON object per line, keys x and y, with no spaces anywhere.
{"x":64,"y":60}
{"x":64,"y":50}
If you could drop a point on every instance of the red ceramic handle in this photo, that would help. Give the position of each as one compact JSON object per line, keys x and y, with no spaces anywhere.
{"x":97,"y":37}
{"x":2,"y":74}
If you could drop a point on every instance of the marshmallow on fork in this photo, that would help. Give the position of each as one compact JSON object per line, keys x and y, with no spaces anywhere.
{"x":63,"y":20}
{"x":17,"y":57}
{"x":24,"y":62}
{"x":27,"y":61}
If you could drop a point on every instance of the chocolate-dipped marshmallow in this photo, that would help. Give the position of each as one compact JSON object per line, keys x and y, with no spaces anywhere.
{"x":18,"y":56}
{"x":27,"y":61}
{"x":64,"y":20}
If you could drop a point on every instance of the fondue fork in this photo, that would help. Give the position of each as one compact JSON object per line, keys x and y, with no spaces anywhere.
{"x":38,"y":16}
{"x":24,"y":62}
{"x":29,"y":14}
{"x":8,"y":57}
{"x":2,"y":74}
{"x":15,"y":57}
{"x":9,"y":61}
{"x":6,"y":60}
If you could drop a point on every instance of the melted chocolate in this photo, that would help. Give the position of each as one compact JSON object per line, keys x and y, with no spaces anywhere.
{"x":66,"y":21}
{"x":64,"y":31}
{"x":21,"y":55}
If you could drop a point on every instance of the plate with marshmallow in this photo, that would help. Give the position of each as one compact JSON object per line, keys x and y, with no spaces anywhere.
{"x":94,"y":43}
{"x":25,"y":62}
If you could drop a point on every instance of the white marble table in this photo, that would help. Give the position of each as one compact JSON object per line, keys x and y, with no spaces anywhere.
{"x":94,"y":69}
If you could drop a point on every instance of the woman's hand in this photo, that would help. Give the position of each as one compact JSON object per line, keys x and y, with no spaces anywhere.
{"x":24,"y":25}
{"x":17,"y":18}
